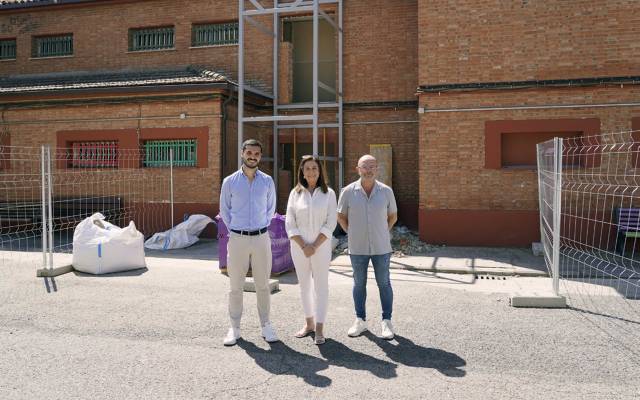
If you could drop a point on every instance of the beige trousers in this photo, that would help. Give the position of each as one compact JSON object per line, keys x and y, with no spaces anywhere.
{"x":242,"y":252}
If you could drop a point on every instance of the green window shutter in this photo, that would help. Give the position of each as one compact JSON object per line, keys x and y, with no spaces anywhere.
{"x":52,"y":46}
{"x":151,"y":38}
{"x":156,"y":153}
{"x":8,"y":49}
{"x":214,"y":34}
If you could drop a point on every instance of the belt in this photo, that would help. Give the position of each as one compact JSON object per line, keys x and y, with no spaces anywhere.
{"x":250,"y":233}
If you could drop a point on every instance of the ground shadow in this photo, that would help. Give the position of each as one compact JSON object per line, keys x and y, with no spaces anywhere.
{"x":133,"y":272}
{"x":405,"y":352}
{"x":281,"y":359}
{"x":203,"y":249}
{"x":50,"y":284}
{"x":287,"y":278}
{"x":399,"y":273}
{"x":340,"y":355}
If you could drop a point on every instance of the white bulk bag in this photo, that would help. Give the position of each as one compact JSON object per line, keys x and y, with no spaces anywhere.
{"x":182,"y":235}
{"x":100,"y":247}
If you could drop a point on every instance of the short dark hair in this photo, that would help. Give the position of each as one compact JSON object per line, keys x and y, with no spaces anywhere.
{"x":302,"y":183}
{"x":251,"y":142}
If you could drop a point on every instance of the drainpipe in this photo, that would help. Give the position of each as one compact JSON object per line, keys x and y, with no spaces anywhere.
{"x":223,"y":131}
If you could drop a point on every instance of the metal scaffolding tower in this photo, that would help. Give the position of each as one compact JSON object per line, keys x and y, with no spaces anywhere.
{"x":293,"y":7}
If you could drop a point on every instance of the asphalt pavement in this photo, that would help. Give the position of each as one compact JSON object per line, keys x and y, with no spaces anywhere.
{"x":157,"y":334}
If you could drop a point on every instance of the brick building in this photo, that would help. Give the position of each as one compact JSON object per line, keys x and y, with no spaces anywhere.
{"x":461,"y":91}
{"x":497,"y":77}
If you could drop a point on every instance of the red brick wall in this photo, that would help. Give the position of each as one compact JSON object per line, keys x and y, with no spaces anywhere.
{"x":361,"y":130}
{"x":480,"y":41}
{"x":380,"y":64}
{"x":380,"y":50}
{"x":101,"y":37}
{"x":462,"y":201}
{"x":455,"y":177}
{"x":194,"y":188}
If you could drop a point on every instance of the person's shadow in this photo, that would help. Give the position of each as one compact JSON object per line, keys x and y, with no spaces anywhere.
{"x":281,"y":359}
{"x":410,"y":354}
{"x":340,"y":355}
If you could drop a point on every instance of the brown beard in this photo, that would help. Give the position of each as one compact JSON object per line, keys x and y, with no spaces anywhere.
{"x":244,"y":162}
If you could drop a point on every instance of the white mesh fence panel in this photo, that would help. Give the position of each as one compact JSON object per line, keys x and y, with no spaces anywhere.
{"x":21,"y":217}
{"x":598,"y":225}
{"x":71,"y":185}
{"x":546,"y":190}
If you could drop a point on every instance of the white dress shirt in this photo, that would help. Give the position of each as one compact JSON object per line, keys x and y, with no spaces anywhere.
{"x":309,"y":215}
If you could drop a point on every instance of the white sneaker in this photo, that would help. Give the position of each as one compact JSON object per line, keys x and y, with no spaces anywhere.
{"x":387,"y":329}
{"x":232,"y":336}
{"x":358,"y":327}
{"x":269,"y":334}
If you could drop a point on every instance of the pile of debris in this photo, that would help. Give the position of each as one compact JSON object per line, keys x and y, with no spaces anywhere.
{"x":340,"y":246}
{"x":403,"y":242}
{"x":407,"y":243}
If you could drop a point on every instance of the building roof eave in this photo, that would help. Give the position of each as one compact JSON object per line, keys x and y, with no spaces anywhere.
{"x":547,"y":83}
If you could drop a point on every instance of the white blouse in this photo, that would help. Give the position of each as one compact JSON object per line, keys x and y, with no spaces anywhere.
{"x":309,"y":215}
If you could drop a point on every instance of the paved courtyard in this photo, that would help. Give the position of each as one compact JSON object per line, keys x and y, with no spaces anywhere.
{"x":157,"y":334}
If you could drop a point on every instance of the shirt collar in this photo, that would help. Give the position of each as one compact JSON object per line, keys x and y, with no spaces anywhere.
{"x":241,"y":172}
{"x":359,"y":185}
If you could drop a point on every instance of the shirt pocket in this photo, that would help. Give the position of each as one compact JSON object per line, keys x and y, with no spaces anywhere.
{"x":260,"y":190}
{"x":302,"y":210}
{"x":320,"y":204}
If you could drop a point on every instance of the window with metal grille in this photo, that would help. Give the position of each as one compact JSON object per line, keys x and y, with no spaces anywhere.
{"x":151,"y":38}
{"x":214,"y":34}
{"x":52,"y":46}
{"x":94,"y":154}
{"x":156,"y":153}
{"x":8,"y":49}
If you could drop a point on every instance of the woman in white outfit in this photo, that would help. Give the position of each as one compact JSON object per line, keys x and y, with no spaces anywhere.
{"x":310,"y":221}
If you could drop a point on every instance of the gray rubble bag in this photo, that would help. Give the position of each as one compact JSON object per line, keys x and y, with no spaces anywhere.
{"x":182,"y":235}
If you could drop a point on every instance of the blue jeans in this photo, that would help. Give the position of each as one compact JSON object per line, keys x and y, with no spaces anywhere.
{"x":360,"y":264}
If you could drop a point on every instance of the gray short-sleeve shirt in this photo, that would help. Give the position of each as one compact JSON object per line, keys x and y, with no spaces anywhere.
{"x":368,"y":227}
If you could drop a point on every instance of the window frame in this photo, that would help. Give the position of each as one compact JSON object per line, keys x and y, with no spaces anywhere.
{"x":125,"y":138}
{"x":195,"y":25}
{"x":36,"y":43}
{"x":111,"y":147}
{"x":131,"y":139}
{"x":494,"y":130}
{"x":15,"y":48}
{"x":164,"y":163}
{"x":199,"y":134}
{"x":132,"y":34}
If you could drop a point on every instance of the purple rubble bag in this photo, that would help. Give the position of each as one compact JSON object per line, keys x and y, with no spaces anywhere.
{"x":280,"y":245}
{"x":223,"y":239}
{"x":280,"y":251}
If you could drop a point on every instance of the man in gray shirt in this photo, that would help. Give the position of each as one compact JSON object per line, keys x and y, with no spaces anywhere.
{"x":367,"y":211}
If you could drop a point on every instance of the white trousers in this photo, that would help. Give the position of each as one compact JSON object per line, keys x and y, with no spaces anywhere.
{"x":242,"y":252}
{"x":313,"y":278}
